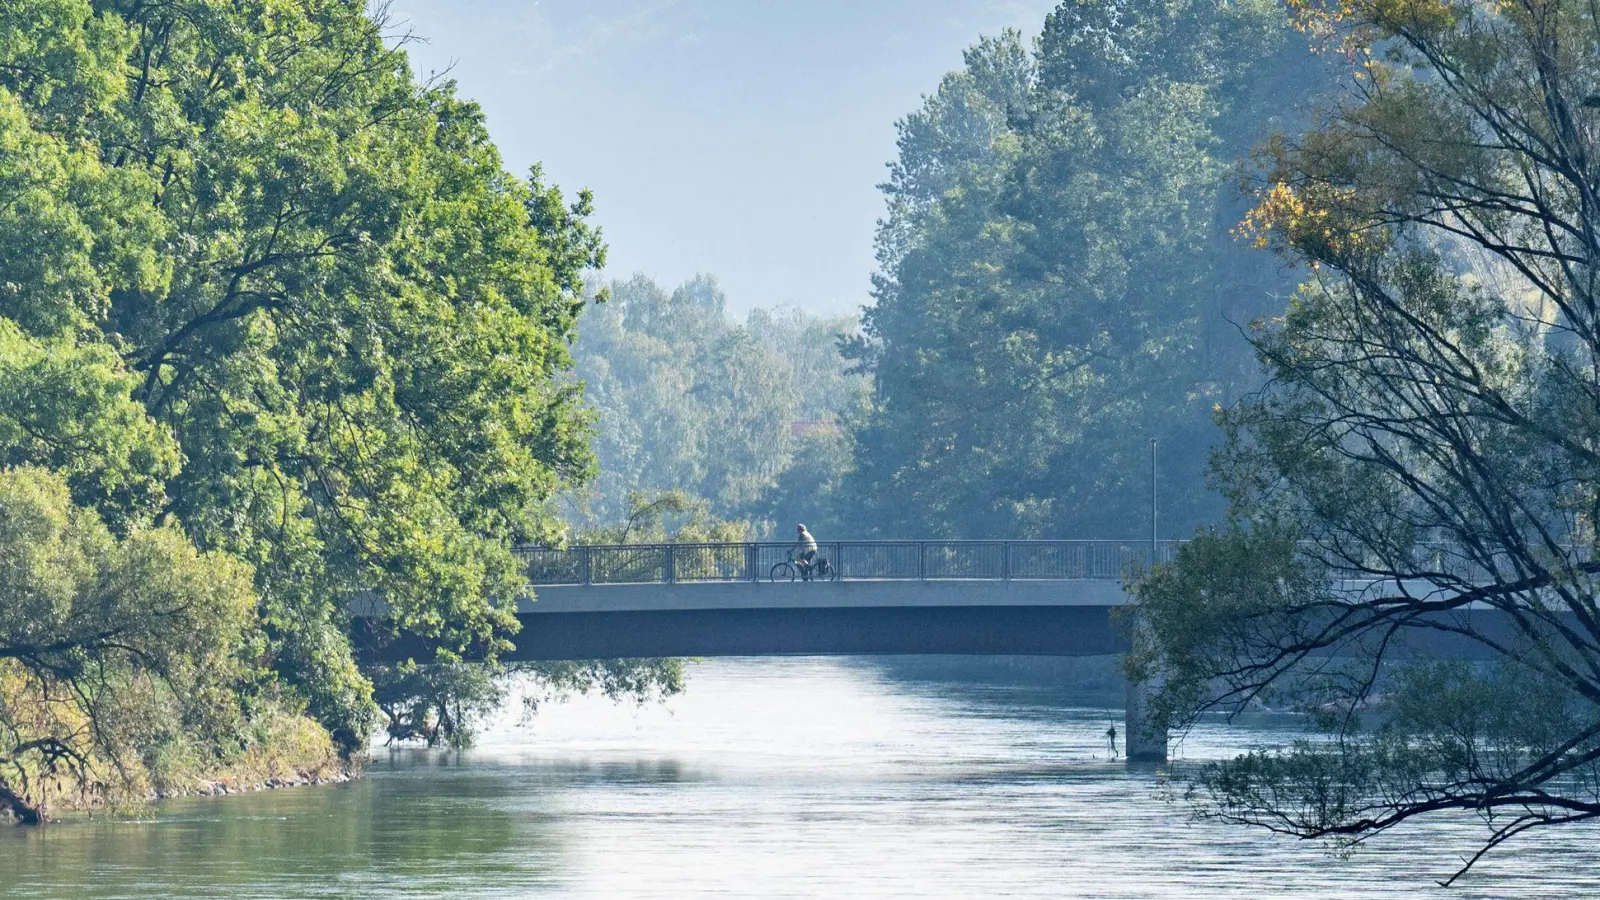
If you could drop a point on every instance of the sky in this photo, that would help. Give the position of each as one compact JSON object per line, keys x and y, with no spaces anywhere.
{"x":743,"y":138}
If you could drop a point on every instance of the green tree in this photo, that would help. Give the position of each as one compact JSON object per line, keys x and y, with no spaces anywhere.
{"x":688,"y":400}
{"x":1058,"y":280}
{"x":343,"y":316}
{"x":123,"y":660}
{"x":68,"y":406}
{"x":812,"y":489}
{"x":1429,"y":431}
{"x":444,"y":702}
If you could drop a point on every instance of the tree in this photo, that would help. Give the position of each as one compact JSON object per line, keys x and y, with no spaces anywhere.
{"x":813,"y":487}
{"x":1058,"y":281}
{"x":322,"y":290}
{"x":1429,"y":431}
{"x":443,"y":702}
{"x":686,"y":399}
{"x":122,"y":660}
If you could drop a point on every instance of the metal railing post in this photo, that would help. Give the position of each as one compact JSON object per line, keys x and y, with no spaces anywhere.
{"x":752,"y":560}
{"x":668,"y":565}
{"x":1005,"y":560}
{"x":587,"y":556}
{"x":922,"y":560}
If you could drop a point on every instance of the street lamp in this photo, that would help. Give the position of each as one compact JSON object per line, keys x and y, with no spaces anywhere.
{"x":1153,"y":557}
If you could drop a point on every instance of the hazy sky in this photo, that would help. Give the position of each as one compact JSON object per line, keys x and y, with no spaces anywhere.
{"x":744,"y":138}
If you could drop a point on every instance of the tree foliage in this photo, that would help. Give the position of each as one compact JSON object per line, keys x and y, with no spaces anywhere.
{"x":1058,"y":279}
{"x":444,"y":704}
{"x":126,"y":663}
{"x":687,"y":400}
{"x":1428,"y":434}
{"x":254,"y":278}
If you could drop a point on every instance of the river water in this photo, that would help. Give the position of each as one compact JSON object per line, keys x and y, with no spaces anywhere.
{"x":769,"y":778}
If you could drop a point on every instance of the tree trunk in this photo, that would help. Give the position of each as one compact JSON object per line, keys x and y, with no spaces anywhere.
{"x":15,"y":810}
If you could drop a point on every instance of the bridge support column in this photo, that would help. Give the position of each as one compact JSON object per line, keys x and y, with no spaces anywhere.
{"x":1145,"y":742}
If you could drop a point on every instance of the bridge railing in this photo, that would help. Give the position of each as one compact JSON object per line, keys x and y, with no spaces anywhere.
{"x":851,"y":561}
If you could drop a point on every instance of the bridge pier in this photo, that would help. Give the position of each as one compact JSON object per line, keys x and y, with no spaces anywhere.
{"x":1145,"y":742}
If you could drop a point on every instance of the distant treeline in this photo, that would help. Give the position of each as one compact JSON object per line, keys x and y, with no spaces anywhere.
{"x":751,"y":418}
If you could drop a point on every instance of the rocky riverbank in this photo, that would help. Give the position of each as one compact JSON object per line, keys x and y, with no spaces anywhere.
{"x":224,"y":786}
{"x":14,"y":812}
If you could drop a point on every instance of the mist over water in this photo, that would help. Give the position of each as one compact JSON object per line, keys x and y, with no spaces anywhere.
{"x":769,"y":778}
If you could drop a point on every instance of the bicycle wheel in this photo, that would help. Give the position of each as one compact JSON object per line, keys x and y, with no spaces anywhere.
{"x":781,"y":572}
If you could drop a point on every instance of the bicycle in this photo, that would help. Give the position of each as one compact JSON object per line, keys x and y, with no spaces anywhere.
{"x":793,"y":568}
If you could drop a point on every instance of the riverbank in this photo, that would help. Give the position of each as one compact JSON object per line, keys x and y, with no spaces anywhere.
{"x":15,"y":812}
{"x":280,"y":751}
{"x":342,"y":772}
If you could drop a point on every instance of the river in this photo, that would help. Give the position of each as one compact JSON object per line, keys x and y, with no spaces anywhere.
{"x":768,"y":778}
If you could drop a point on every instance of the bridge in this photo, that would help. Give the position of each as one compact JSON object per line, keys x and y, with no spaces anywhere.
{"x":1038,"y":598}
{"x":1044,"y":598}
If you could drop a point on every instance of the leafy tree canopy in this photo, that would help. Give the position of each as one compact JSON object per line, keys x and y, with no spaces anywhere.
{"x":688,"y":400}
{"x":125,"y":662}
{"x":1059,"y":283}
{"x":1428,"y":434}
{"x":256,"y":279}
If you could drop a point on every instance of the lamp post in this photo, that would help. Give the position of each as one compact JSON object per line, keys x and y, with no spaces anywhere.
{"x":1144,"y":743}
{"x":1153,"y":557}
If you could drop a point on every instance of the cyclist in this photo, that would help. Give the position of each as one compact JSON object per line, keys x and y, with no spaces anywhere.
{"x":805,"y":550}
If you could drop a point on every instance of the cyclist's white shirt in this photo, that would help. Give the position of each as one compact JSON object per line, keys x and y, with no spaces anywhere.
{"x":806,"y":543}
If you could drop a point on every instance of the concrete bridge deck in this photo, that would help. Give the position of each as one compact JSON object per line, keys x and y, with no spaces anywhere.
{"x":839,"y":618}
{"x":882,"y":597}
{"x":1035,"y":598}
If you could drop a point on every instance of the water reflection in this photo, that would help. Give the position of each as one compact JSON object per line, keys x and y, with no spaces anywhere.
{"x":777,"y":778}
{"x":396,"y":836}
